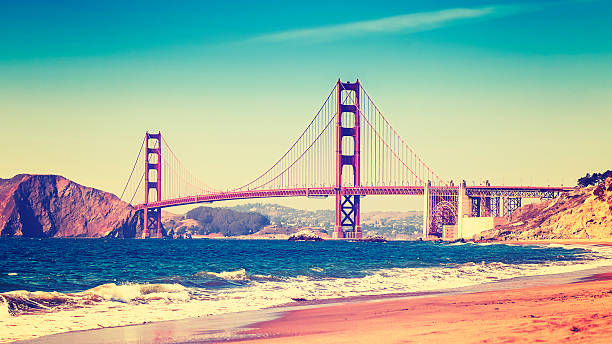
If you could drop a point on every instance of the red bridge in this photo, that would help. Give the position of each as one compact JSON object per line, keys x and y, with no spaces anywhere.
{"x":348,"y":150}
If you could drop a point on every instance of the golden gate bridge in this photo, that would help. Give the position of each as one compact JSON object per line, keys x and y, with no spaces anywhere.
{"x":348,"y":150}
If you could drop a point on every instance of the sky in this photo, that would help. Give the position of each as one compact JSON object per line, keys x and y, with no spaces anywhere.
{"x":516,"y":92}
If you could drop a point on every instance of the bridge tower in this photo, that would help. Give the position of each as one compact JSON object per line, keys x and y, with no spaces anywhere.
{"x":152,"y":216}
{"x":347,"y":206}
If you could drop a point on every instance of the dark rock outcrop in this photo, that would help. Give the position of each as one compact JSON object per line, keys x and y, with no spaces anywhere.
{"x":371,"y":238}
{"x":305,"y":235}
{"x":42,"y":206}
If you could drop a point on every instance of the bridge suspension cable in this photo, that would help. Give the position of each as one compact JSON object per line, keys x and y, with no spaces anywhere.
{"x":308,"y":162}
{"x":401,"y":160}
{"x":178,"y":180}
{"x":133,"y":168}
{"x":385,"y":159}
{"x":132,"y":186}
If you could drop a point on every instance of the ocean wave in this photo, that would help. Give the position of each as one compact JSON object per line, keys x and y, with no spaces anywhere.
{"x":237,"y":275}
{"x":459,"y":243}
{"x":20,"y":302}
{"x":134,"y":292}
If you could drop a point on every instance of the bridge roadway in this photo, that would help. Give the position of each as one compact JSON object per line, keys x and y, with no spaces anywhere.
{"x":472,"y":191}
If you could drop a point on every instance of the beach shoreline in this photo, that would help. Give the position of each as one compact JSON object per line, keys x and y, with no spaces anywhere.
{"x":576,"y":312}
{"x":511,"y":309}
{"x":255,"y":325}
{"x":318,"y":321}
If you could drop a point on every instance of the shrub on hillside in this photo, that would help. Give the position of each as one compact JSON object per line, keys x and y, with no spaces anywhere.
{"x":593,"y":179}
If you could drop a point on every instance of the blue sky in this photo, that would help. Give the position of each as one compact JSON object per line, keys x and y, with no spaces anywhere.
{"x":513,"y":91}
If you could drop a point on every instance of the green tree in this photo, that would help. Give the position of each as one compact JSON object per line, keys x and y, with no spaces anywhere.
{"x":593,"y":179}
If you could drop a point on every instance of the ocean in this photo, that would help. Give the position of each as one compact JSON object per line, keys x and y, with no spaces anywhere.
{"x":58,"y":285}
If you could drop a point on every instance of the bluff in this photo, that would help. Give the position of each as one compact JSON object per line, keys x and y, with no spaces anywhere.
{"x":42,"y":206}
{"x":584,"y":213}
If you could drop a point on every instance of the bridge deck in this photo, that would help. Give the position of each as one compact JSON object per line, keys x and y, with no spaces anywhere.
{"x":473,"y":191}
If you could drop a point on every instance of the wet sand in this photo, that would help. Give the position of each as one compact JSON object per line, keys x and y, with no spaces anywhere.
{"x":578,"y":312}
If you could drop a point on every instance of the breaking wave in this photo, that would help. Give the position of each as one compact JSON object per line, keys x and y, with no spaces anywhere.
{"x":20,"y":302}
{"x":132,"y":292}
{"x":237,"y":275}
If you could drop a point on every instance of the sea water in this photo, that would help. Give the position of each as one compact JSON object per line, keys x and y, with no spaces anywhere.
{"x":58,"y":285}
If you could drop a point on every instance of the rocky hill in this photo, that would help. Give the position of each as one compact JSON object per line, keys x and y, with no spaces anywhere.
{"x":584,"y":213}
{"x":42,"y":206}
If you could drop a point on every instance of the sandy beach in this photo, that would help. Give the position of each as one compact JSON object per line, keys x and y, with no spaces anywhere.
{"x":568,"y":313}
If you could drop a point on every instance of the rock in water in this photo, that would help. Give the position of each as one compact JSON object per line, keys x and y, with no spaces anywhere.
{"x":374,"y":238}
{"x":305,"y":235}
{"x":42,"y":206}
{"x":370,"y":238}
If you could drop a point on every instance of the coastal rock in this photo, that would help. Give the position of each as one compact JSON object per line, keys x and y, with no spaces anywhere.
{"x":371,"y":238}
{"x":584,"y":213}
{"x":42,"y":206}
{"x":305,"y":235}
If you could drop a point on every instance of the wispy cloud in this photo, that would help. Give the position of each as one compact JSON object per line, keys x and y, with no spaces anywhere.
{"x":412,"y":22}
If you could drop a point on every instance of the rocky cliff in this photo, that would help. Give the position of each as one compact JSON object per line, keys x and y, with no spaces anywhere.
{"x":43,"y":206}
{"x":584,"y":213}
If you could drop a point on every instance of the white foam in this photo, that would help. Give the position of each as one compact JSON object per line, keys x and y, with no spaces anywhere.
{"x":131,"y":292}
{"x":5,"y":314}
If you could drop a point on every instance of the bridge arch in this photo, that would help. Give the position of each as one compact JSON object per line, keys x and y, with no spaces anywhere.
{"x":444,"y":213}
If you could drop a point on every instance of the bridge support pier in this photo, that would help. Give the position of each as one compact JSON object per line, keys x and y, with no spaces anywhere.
{"x":464,"y":208}
{"x":152,"y":222}
{"x":348,"y":210}
{"x":483,"y":205}
{"x":427,"y":211}
{"x":513,"y":204}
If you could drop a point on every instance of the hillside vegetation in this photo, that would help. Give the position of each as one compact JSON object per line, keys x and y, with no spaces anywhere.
{"x":208,"y":220}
